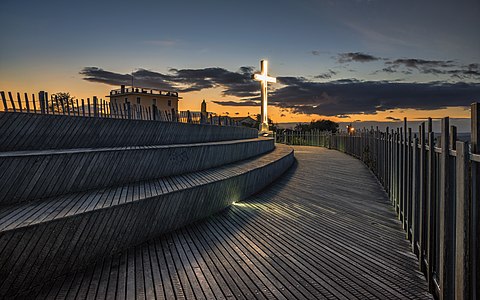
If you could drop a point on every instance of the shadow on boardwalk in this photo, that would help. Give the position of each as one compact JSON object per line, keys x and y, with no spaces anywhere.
{"x":324,"y":230}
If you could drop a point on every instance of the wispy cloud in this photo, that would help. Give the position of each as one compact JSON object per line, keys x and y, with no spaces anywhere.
{"x":448,"y":68}
{"x":326,"y":75}
{"x":237,"y":103}
{"x":356,"y":56}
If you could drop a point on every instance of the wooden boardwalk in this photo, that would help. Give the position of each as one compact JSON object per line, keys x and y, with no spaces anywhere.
{"x":324,"y":230}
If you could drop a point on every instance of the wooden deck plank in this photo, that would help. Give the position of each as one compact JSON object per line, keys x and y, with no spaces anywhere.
{"x":325,"y":230}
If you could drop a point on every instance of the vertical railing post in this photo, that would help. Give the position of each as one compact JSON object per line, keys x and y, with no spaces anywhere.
{"x":446,"y":221}
{"x":27,"y":105}
{"x":408,"y":184}
{"x":89,"y":107}
{"x":431,"y":208}
{"x":475,"y":178}
{"x":401,"y":176}
{"x":129,"y":110}
{"x":95,"y":106}
{"x":41,"y":99}
{"x":415,"y":195}
{"x":463,"y":224}
{"x":189,"y":117}
{"x":4,"y":99}
{"x":19,"y":100}
{"x":155,"y":112}
{"x":422,"y":217}
{"x":405,"y":175}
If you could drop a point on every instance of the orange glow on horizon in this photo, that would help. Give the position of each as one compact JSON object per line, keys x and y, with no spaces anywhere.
{"x":191,"y":101}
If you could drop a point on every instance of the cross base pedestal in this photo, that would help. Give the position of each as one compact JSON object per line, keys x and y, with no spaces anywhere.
{"x":263,"y":127}
{"x":263,"y":130}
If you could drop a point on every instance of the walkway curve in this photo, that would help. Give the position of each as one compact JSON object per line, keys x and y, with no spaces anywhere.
{"x":325,"y":230}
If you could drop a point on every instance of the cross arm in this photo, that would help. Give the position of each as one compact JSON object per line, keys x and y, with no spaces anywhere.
{"x":261,"y":77}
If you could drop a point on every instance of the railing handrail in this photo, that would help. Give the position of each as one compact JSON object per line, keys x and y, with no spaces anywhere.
{"x":434,"y":189}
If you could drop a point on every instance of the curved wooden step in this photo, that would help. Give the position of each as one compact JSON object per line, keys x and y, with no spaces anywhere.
{"x":48,"y":238}
{"x":34,"y":175}
{"x":20,"y":131}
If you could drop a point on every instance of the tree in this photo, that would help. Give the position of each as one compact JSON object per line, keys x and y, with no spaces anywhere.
{"x":62,"y":102}
{"x":321,"y":125}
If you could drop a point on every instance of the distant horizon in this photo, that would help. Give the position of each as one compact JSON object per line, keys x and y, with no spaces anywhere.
{"x":462,"y":124}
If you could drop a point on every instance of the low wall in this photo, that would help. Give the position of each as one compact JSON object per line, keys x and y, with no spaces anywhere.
{"x":32,"y":254}
{"x":34,"y":175}
{"x":21,"y":131}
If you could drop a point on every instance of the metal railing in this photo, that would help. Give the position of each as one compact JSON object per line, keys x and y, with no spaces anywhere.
{"x":434,"y":190}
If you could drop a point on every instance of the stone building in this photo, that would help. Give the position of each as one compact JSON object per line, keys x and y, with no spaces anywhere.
{"x":163,"y":100}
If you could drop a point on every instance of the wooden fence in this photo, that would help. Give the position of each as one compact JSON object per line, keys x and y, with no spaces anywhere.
{"x":99,"y":108}
{"x":433,"y":183}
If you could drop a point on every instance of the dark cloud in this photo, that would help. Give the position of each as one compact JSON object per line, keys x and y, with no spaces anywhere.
{"x":326,"y":75}
{"x":300,"y":95}
{"x":421,"y":63}
{"x":237,"y":84}
{"x":407,"y":66}
{"x":355,"y":56}
{"x":141,"y":77}
{"x":237,"y":103}
{"x":392,"y":118}
{"x":433,"y":67}
{"x":343,"y":116}
{"x":95,"y":74}
{"x":348,"y":96}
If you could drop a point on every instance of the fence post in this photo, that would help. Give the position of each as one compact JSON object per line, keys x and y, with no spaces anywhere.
{"x":89,"y":106}
{"x":405,"y":176}
{"x":27,"y":105}
{"x":5,"y":107}
{"x":33,"y":103}
{"x":154,"y":112}
{"x":129,"y":110}
{"x":415,"y":194}
{"x":422,"y":217}
{"x":446,"y":221}
{"x":408,"y":185}
{"x":41,"y":99}
{"x":431,"y":206}
{"x":463,"y":226}
{"x":19,"y":100}
{"x":475,"y":177}
{"x":95,"y":106}
{"x":401,"y":177}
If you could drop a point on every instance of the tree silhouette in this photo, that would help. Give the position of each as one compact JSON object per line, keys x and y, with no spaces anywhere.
{"x":62,"y":102}
{"x":322,"y":125}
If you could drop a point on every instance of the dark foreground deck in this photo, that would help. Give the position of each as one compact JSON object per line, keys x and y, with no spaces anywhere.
{"x":324,"y":230}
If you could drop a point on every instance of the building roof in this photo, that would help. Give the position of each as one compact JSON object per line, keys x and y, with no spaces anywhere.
{"x":239,"y":119}
{"x":142,"y":91}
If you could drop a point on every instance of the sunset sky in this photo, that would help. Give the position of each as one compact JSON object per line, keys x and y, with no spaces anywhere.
{"x":345,"y":60}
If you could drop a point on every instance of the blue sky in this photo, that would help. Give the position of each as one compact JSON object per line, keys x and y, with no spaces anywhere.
{"x":46,"y":44}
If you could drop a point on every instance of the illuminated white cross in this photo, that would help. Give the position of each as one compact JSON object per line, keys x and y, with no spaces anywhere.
{"x":264,"y":79}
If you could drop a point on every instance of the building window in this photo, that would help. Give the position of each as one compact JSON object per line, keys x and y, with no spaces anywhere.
{"x":138,"y":100}
{"x":154,"y":102}
{"x":169,"y":102}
